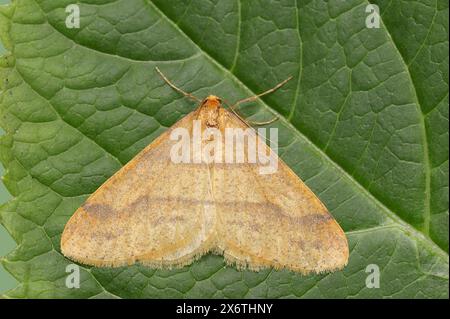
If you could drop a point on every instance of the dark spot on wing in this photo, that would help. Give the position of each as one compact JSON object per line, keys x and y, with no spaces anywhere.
{"x":100,"y":211}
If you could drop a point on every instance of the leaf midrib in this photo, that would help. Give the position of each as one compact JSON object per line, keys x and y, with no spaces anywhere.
{"x":408,"y":228}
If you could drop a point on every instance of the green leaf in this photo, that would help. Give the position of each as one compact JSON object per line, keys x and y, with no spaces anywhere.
{"x":364,"y":123}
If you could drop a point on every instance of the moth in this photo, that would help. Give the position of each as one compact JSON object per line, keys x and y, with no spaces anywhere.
{"x":166,"y":214}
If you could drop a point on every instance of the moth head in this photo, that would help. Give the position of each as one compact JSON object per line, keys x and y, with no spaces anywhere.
{"x":212,"y":101}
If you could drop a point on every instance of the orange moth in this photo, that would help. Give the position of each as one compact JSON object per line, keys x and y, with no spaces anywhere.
{"x":165,"y":213}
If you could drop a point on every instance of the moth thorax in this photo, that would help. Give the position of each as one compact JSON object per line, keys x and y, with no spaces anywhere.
{"x":210,"y":111}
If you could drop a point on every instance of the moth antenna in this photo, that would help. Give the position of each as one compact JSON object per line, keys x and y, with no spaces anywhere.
{"x":255,"y":97}
{"x":173,"y":86}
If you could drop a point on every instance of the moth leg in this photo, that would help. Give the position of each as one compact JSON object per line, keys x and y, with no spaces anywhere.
{"x":275,"y":118}
{"x":249,"y":122}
